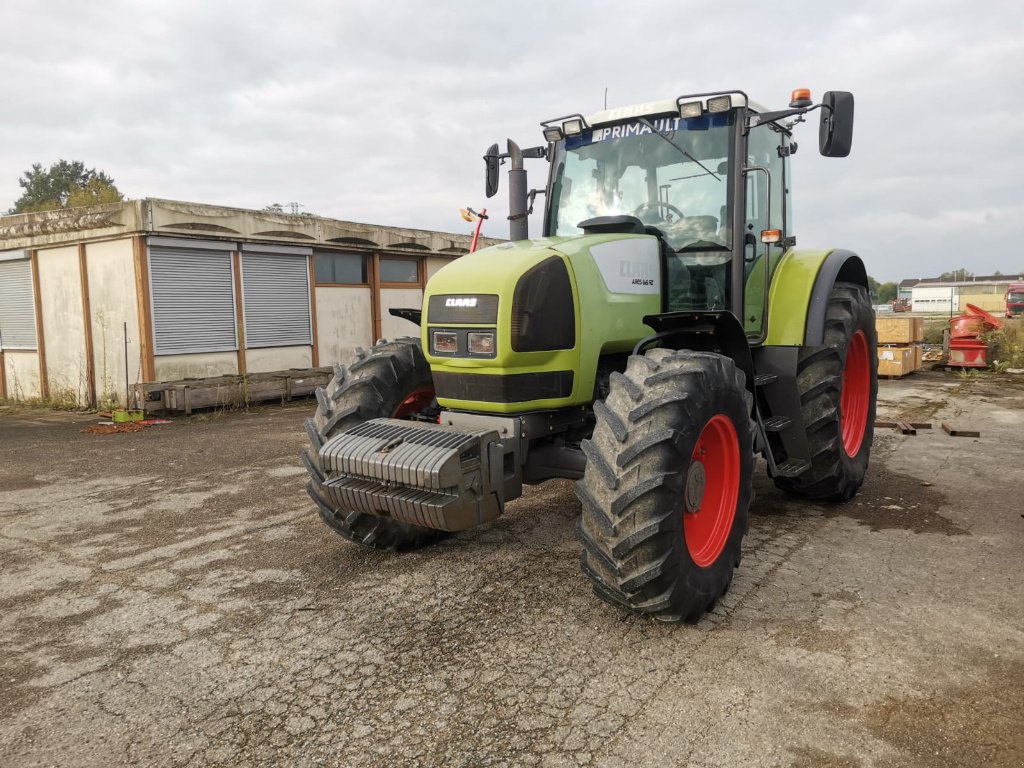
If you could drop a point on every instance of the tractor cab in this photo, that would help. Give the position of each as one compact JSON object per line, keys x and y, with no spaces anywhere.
{"x":708,"y":175}
{"x":669,"y":178}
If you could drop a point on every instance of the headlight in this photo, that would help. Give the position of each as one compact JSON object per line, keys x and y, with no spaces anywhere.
{"x":481,"y":343}
{"x":446,"y":342}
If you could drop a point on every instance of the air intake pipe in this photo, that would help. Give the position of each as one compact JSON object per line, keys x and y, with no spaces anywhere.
{"x":519,"y":225}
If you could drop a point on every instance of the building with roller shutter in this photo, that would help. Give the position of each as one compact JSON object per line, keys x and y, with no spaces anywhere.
{"x":157,"y":290}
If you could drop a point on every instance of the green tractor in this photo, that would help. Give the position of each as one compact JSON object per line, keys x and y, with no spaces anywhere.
{"x":663,"y":332}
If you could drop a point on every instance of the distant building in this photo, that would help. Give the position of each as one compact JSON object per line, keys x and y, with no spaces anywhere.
{"x":951,"y":297}
{"x":169,"y":290}
{"x":903,"y":290}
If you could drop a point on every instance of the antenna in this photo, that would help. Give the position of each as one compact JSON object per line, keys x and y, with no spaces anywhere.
{"x":606,"y":97}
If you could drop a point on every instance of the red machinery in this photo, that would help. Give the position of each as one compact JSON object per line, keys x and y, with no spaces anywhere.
{"x":1015,"y":299}
{"x":468,"y":214}
{"x":966,"y":349}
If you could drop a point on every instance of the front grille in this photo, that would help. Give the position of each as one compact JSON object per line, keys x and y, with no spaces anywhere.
{"x":485,"y":310}
{"x":510,"y":388}
{"x":543,"y":316}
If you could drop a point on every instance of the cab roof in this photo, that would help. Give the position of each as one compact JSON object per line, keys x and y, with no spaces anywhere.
{"x":662,"y":107}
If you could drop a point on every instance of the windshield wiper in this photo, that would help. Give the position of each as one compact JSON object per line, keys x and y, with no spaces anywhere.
{"x":661,"y":135}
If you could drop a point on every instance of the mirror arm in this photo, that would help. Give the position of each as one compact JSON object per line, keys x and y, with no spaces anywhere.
{"x":773,"y":117}
{"x":535,"y":152}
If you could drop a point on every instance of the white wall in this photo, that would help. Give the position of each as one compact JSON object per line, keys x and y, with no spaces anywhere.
{"x":21,"y":370}
{"x":935,"y":298}
{"x":278,"y":358}
{"x":195,"y":366}
{"x":390,"y":326}
{"x":60,"y":297}
{"x":344,"y":321}
{"x":112,"y":303}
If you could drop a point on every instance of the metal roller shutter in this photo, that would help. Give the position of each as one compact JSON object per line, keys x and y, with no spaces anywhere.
{"x":193,"y":301}
{"x":275,"y":293}
{"x":17,"y":305}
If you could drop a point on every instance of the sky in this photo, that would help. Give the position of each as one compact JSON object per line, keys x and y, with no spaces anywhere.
{"x":380,"y":112}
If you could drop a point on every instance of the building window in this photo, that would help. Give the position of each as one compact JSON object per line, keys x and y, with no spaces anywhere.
{"x":340,"y":268}
{"x":275,"y":293}
{"x":193,"y":300}
{"x":399,"y":270}
{"x":17,"y":305}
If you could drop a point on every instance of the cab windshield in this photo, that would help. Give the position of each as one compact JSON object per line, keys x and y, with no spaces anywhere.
{"x":631,"y":169}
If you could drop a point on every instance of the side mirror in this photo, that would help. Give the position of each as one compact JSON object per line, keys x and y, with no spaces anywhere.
{"x":491,"y":160}
{"x":835,"y":132}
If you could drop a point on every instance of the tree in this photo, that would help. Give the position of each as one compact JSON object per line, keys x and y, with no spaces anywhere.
{"x":886,"y":292}
{"x":63,"y":185}
{"x":872,"y":287}
{"x":957,"y":275}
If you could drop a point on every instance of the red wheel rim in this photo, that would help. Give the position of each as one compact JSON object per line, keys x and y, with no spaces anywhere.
{"x":415,"y":402}
{"x":856,"y":395}
{"x":712,"y":489}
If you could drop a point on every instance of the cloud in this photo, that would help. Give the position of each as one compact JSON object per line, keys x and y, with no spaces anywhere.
{"x":380,"y":112}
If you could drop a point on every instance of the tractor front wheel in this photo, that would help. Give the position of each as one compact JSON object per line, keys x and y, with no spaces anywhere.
{"x":838,"y":383}
{"x":391,"y":380}
{"x":668,"y":484}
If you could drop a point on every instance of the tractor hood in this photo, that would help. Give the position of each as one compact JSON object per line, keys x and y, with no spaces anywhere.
{"x":521,"y":325}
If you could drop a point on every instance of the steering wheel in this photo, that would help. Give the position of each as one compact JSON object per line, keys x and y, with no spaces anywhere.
{"x":658,"y":204}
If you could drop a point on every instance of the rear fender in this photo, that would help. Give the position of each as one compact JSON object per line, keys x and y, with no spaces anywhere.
{"x":839,"y":266}
{"x":799,"y":293}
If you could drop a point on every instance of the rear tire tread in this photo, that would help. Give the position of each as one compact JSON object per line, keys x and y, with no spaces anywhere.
{"x":833,"y":475}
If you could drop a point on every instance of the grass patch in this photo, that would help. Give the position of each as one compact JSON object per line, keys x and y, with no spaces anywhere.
{"x":1006,"y":345}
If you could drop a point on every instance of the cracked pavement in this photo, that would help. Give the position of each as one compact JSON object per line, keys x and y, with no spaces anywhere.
{"x":169,"y":597}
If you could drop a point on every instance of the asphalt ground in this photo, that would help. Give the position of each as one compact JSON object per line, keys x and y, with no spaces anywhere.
{"x":169,"y":597}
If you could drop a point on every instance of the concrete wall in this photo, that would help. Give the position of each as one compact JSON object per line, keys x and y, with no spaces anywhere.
{"x":60,"y":295}
{"x":195,"y":366}
{"x":344,"y":321}
{"x":21,"y":370}
{"x":433,"y":264}
{"x":278,"y":358}
{"x":391,"y":326}
{"x":112,"y":299}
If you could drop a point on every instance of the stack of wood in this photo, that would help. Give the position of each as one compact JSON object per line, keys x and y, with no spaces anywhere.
{"x":900,"y":349}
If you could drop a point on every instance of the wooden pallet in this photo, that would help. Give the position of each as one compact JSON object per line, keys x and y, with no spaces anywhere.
{"x":230,"y":391}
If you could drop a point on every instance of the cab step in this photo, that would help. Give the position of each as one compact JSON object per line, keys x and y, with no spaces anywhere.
{"x":792,"y":467}
{"x":777,"y":423}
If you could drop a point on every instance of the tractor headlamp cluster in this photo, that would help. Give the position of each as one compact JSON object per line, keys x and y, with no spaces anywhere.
{"x":463,"y":343}
{"x":560,"y":127}
{"x":696,"y":108}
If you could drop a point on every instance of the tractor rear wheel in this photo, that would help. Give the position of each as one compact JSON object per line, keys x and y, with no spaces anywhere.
{"x":838,"y":383}
{"x":668,"y":484}
{"x":391,"y":380}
